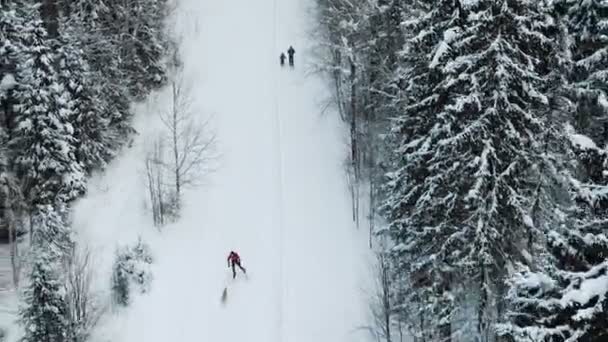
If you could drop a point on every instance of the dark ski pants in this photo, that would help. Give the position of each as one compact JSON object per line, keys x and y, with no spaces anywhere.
{"x":234,"y":270}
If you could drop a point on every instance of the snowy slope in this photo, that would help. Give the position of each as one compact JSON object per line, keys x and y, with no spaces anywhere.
{"x":278,"y":196}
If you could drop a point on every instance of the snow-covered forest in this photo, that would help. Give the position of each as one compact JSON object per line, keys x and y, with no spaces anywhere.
{"x":69,"y":72}
{"x":428,"y":171}
{"x":480,"y":127}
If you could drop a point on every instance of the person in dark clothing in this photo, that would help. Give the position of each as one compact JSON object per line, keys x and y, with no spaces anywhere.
{"x":291,"y":52}
{"x":282,"y":57}
{"x":235,"y":259}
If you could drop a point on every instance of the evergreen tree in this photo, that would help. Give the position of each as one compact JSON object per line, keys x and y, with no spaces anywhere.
{"x":43,"y":142}
{"x":93,"y":146}
{"x":52,"y":232}
{"x":11,"y":24}
{"x":44,"y":311}
{"x":559,"y":299}
{"x":124,"y":45}
{"x":469,"y":158}
{"x":135,"y":31}
{"x":564,"y":298}
{"x":587,"y":22}
{"x":43,"y":315}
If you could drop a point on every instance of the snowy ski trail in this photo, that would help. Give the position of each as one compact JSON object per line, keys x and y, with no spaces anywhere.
{"x":278,"y":196}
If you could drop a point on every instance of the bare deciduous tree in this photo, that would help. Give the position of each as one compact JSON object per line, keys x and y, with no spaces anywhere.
{"x":381,"y":306}
{"x":391,"y":322}
{"x":190,"y":137}
{"x":157,"y":182}
{"x":180,"y":156}
{"x":84,"y":308}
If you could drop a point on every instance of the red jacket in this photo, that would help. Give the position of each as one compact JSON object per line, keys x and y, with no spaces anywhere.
{"x":234,"y":258}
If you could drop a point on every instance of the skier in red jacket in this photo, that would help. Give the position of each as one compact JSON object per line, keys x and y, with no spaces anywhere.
{"x":235,"y":259}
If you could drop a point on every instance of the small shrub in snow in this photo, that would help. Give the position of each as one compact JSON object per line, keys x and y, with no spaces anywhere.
{"x":131,"y":269}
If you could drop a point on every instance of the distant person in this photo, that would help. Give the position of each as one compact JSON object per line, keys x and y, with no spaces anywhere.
{"x":291,"y":52}
{"x":235,"y":259}
{"x":282,"y":57}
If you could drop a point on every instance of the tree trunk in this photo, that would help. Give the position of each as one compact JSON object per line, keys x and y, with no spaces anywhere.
{"x":337,"y":75}
{"x":483,"y":302}
{"x":422,"y":328}
{"x":66,"y":9}
{"x":159,"y":191}
{"x":9,"y":219}
{"x":372,"y":179}
{"x":353,"y":120}
{"x":372,"y":211}
{"x":151,"y":189}
{"x":31,"y":221}
{"x":386,"y":300}
{"x":174,"y":134}
{"x":445,"y":329}
{"x":12,"y":238}
{"x":354,"y":139}
{"x":50,"y":16}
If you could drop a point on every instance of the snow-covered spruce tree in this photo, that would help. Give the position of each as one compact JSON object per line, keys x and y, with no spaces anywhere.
{"x":11,"y":24}
{"x":43,"y":315}
{"x":470,"y":160}
{"x":52,"y":233}
{"x":565,"y":298}
{"x":381,"y":97}
{"x":93,"y":143}
{"x":43,"y":143}
{"x":44,"y":312}
{"x":124,"y":45}
{"x":560,"y":300}
{"x":101,"y":54}
{"x":11,"y":200}
{"x":136,"y":32}
{"x":587,"y":23}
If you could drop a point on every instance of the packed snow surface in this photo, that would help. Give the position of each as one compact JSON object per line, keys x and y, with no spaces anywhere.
{"x":278,"y":195}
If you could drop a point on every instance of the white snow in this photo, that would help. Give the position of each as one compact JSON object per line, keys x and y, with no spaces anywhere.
{"x":580,"y":140}
{"x":466,"y":4}
{"x":603,"y":101}
{"x":278,"y":196}
{"x":583,"y":141}
{"x":7,"y":82}
{"x":536,"y":280}
{"x":528,"y":221}
{"x":594,"y":284}
{"x":443,"y":47}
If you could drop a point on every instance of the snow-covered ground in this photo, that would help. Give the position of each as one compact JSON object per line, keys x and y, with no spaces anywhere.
{"x":278,"y":196}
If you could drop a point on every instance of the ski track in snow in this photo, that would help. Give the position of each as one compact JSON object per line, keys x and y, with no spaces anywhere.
{"x":278,"y":196}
